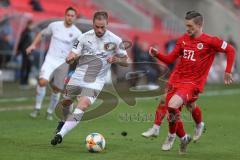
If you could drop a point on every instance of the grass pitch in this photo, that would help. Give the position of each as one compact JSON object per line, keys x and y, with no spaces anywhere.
{"x":23,"y":138}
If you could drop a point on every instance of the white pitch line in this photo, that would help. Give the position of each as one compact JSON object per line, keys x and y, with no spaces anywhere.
{"x":2,"y":109}
{"x":20,"y":99}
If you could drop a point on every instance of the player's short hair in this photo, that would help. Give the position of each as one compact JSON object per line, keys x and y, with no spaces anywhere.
{"x":100,"y":15}
{"x":70,"y":9}
{"x":196,"y":16}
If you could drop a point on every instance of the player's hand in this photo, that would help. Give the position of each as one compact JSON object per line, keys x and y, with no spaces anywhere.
{"x":112,"y":59}
{"x":71,"y":58}
{"x":30,"y":49}
{"x":153,"y":51}
{"x":228,"y":79}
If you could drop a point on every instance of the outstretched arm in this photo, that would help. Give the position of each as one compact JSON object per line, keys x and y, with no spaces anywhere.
{"x":171,"y":57}
{"x":34,"y":43}
{"x":122,"y":61}
{"x":230,"y":53}
{"x":46,"y":31}
{"x":168,"y":59}
{"x":222,"y":46}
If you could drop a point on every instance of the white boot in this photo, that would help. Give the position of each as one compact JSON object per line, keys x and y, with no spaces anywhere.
{"x":167,"y":145}
{"x":35,"y":113}
{"x":198,"y":131}
{"x":183,"y":145}
{"x":151,"y":132}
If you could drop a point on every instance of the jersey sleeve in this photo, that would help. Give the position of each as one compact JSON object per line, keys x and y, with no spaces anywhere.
{"x":120,"y":50}
{"x":222,"y":46}
{"x":172,"y":56}
{"x":78,"y":45}
{"x":48,"y":30}
{"x":79,"y":33}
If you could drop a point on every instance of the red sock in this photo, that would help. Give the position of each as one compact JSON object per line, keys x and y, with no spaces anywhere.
{"x":173,"y":118}
{"x":172,"y":127}
{"x":197,"y":115}
{"x":160,"y":114}
{"x":180,"y":130}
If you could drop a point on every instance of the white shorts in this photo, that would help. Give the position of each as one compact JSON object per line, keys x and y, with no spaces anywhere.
{"x":72,"y":92}
{"x":47,"y":69}
{"x":54,"y":73}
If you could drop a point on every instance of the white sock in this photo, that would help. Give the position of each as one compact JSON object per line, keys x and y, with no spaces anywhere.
{"x":53,"y":102}
{"x":200,"y":124}
{"x":41,"y":91}
{"x":157,"y":127}
{"x":172,"y":135}
{"x":71,"y":122}
{"x":184,"y":137}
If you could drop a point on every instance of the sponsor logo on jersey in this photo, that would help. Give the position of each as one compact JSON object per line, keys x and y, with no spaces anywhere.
{"x":110,"y":46}
{"x":199,"y":46}
{"x":75,"y":44}
{"x":70,"y":35}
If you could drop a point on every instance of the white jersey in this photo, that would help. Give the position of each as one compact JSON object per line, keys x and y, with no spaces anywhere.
{"x":62,"y":40}
{"x":93,"y":66}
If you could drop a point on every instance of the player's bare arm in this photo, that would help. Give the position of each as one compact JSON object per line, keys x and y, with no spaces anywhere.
{"x":71,"y":57}
{"x":153,"y":52}
{"x":168,"y":59}
{"x":230,"y":52}
{"x":34,"y":43}
{"x":228,"y":79}
{"x":122,"y":61}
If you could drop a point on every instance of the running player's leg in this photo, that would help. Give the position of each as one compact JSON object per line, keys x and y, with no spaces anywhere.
{"x":44,"y":76}
{"x":159,"y":116}
{"x":40,"y":93}
{"x":197,"y":117}
{"x":63,"y":108}
{"x":85,"y":99}
{"x":57,"y":85}
{"x":172,"y":121}
{"x":72,"y":120}
{"x":175,"y":123}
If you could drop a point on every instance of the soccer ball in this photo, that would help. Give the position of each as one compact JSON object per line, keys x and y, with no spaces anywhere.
{"x":95,"y":142}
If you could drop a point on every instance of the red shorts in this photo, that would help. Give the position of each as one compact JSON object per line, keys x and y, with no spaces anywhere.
{"x":188,"y":92}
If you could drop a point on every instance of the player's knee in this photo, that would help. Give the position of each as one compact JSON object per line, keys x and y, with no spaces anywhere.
{"x":83,"y":106}
{"x":175,"y":102}
{"x":42,"y":82}
{"x":191,"y":106}
{"x":174,"y":115}
{"x":172,"y":104}
{"x":67,"y":102}
{"x":83,"y":103}
{"x":55,"y":89}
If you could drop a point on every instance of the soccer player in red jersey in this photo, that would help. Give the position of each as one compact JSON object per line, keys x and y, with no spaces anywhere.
{"x":195,"y":52}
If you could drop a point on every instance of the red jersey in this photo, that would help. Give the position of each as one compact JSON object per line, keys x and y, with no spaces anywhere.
{"x":195,"y":57}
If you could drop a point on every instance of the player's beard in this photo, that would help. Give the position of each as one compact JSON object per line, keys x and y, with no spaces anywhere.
{"x":68,"y":22}
{"x":99,"y":35}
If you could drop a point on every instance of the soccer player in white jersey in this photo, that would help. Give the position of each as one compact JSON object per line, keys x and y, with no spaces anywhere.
{"x":63,"y":34}
{"x":89,"y":77}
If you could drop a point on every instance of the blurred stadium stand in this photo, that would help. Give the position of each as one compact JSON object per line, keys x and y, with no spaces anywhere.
{"x":153,"y":21}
